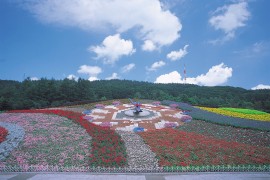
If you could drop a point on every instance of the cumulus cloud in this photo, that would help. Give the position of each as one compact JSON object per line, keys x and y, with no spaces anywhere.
{"x":229,"y":18}
{"x":156,"y":65}
{"x":72,"y":77}
{"x":113,"y":76}
{"x":92,"y":71}
{"x":148,"y":46}
{"x":92,"y":78}
{"x":112,"y":48}
{"x":150,"y":18}
{"x":128,"y":68}
{"x":216,"y":75}
{"x":173,"y":77}
{"x":34,"y":79}
{"x":175,"y":55}
{"x":261,"y":86}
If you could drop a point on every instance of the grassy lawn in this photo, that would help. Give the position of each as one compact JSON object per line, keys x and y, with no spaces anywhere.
{"x":244,"y":111}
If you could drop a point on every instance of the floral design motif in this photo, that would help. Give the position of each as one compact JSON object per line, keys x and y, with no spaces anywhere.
{"x":108,"y":149}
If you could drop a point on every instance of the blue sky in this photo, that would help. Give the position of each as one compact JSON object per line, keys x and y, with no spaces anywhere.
{"x":222,"y":42}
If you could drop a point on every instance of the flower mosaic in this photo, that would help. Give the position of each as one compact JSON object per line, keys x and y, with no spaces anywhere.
{"x":121,"y":117}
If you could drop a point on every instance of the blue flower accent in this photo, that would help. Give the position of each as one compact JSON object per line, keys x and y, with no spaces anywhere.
{"x":138,"y":129}
{"x":87,"y":112}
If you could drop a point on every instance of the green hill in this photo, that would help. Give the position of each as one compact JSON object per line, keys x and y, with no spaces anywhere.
{"x":50,"y":93}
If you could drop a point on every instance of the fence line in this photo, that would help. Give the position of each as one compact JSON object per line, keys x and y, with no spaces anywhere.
{"x":222,"y":168}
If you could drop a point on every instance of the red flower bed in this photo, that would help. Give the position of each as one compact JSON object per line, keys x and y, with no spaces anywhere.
{"x":179,"y":148}
{"x":3,"y":134}
{"x":108,"y":149}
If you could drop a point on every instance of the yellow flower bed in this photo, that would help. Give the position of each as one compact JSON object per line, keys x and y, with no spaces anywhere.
{"x":260,"y":117}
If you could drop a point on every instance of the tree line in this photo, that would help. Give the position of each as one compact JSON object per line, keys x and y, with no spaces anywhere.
{"x":51,"y":93}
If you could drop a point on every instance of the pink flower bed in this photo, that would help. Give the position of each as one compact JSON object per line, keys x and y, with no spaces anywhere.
{"x":105,"y":124}
{"x":66,"y":142}
{"x":186,"y":118}
{"x":99,"y":106}
{"x":116,"y":103}
{"x":156,"y":103}
{"x":174,"y":106}
{"x":170,"y":125}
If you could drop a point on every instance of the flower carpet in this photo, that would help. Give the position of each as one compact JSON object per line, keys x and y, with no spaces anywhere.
{"x":240,"y":113}
{"x":212,"y":117}
{"x":48,"y":140}
{"x":107,"y":148}
{"x":114,"y":117}
{"x":179,"y":148}
{"x":103,"y":137}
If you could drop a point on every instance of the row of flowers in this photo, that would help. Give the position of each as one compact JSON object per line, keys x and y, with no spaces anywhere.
{"x":3,"y":134}
{"x":208,"y":116}
{"x":179,"y":148}
{"x":261,"y":117}
{"x":108,"y":149}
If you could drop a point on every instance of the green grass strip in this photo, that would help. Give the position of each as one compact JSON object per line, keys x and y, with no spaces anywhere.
{"x":244,"y":111}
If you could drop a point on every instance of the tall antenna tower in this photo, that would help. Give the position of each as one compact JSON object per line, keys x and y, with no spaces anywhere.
{"x":185,"y":74}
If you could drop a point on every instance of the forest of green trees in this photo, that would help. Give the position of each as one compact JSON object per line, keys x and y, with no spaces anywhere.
{"x":51,"y":93}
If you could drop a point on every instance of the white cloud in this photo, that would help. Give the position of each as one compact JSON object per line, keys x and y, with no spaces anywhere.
{"x":173,"y":77}
{"x":216,"y":75}
{"x":261,"y":86}
{"x":229,"y":18}
{"x":156,"y":65}
{"x":112,"y":48}
{"x":72,"y":76}
{"x":148,"y":46}
{"x":113,"y":76}
{"x":128,"y":68}
{"x":150,"y":18}
{"x":92,"y":78}
{"x":175,"y":55}
{"x":90,"y":70}
{"x":34,"y":79}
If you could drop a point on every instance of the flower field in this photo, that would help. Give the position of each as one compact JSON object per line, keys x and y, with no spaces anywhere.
{"x":107,"y":148}
{"x":212,"y":117}
{"x":48,"y":140}
{"x":228,"y":133}
{"x":64,"y":137}
{"x":240,"y":113}
{"x":179,"y":148}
